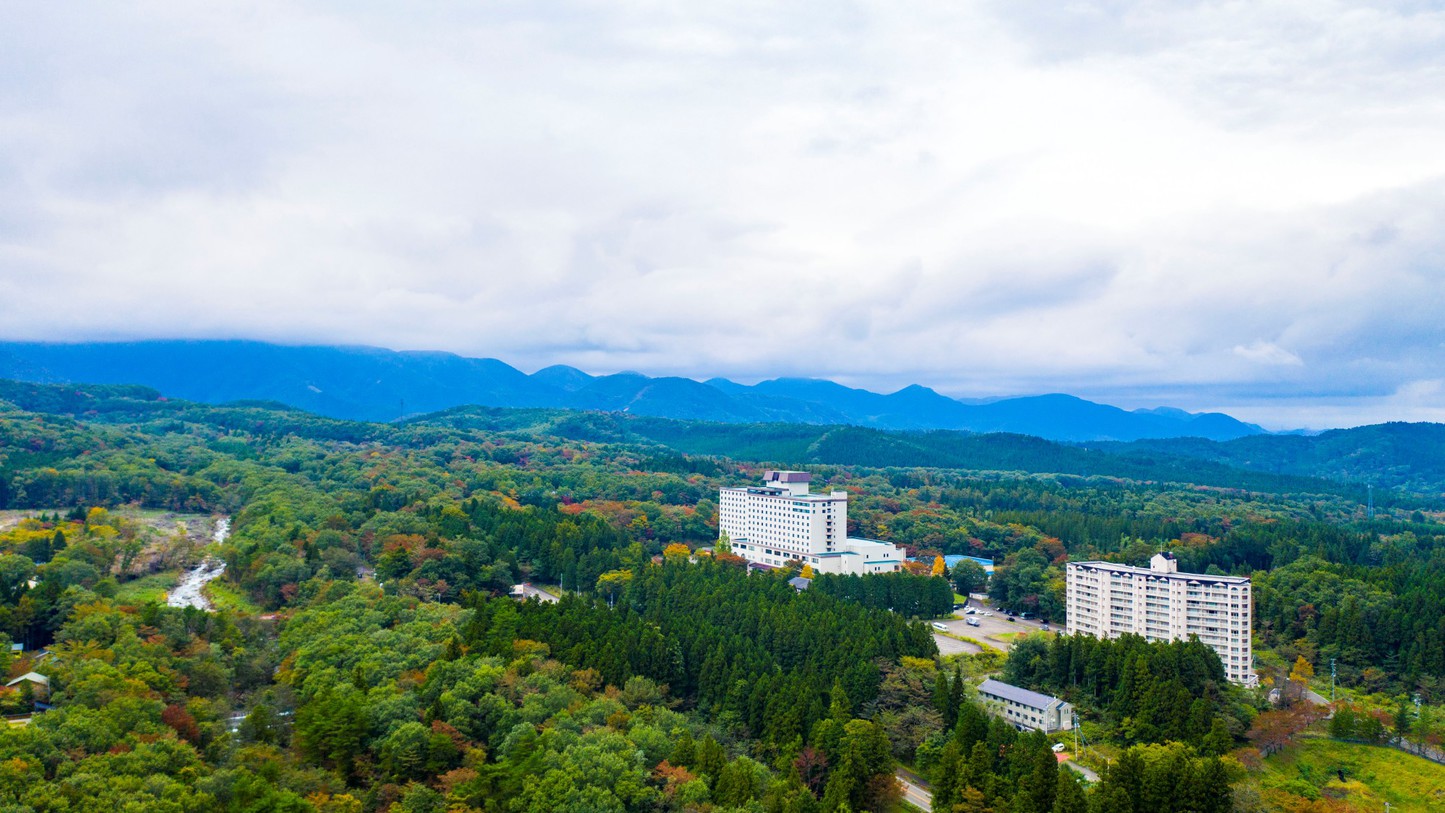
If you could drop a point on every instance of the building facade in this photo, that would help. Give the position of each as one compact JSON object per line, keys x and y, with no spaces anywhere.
{"x":781,"y":520}
{"x":1161,"y":604}
{"x":1026,"y":709}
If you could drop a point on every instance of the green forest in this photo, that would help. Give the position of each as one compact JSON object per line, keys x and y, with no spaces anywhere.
{"x":364,"y":655}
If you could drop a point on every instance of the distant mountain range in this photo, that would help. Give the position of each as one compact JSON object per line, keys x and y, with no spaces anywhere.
{"x":372,"y":384}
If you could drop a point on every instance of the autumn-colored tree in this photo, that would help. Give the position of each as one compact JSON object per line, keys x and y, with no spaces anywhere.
{"x":612,"y":583}
{"x":807,"y":571}
{"x":1298,"y":681}
{"x":938,"y":567}
{"x":676,"y":550}
{"x":1272,"y":730}
{"x":1302,"y":671}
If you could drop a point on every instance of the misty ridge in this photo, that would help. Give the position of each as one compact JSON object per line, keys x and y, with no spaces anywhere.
{"x":374,"y":384}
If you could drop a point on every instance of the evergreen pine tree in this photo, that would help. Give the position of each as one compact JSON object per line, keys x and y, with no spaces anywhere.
{"x":1069,"y":795}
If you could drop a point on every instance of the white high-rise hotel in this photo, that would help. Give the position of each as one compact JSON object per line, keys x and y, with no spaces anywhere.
{"x":1161,"y":604}
{"x":780,"y":520}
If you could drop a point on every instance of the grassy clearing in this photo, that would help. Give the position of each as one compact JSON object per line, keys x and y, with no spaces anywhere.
{"x":1373,"y":774}
{"x":224,"y":596}
{"x":148,"y":588}
{"x":980,"y":644}
{"x":1006,"y":637}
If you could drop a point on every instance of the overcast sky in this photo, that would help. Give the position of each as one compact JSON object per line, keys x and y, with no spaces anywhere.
{"x":1235,"y":206}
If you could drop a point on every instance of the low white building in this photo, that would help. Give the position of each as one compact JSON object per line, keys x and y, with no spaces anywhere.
{"x":781,"y":521}
{"x":1026,"y":709}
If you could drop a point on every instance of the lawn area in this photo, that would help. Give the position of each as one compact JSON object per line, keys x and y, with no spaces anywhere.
{"x":148,"y":588}
{"x":1006,"y":636}
{"x":1373,"y":775}
{"x":224,"y":596}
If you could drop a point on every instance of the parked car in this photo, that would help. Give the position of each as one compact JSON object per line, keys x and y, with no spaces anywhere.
{"x":1045,"y":626}
{"x":1058,"y":747}
{"x":989,"y":614}
{"x":972,"y":622}
{"x":1010,"y":618}
{"x":940,"y":627}
{"x":970,"y":611}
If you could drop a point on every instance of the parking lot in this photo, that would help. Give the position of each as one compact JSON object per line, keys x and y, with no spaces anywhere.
{"x":995,"y":630}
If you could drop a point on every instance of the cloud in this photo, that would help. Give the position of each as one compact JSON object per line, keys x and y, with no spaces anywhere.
{"x":1206,"y":203}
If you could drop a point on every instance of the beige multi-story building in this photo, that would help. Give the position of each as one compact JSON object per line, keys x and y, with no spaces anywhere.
{"x":781,"y":521}
{"x":1161,"y":604}
{"x":1026,"y":709}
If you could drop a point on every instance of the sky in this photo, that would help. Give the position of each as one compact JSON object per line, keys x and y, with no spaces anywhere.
{"x":1234,"y":206}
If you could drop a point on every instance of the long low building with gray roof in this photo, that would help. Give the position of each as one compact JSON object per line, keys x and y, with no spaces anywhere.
{"x":1026,"y":709}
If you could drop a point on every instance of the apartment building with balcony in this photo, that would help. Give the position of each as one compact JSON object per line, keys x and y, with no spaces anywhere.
{"x":782,"y":520}
{"x":1107,"y":600}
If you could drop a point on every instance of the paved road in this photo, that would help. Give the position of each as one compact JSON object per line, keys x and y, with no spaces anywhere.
{"x":953,"y":646}
{"x":1087,"y":773}
{"x":529,"y":591}
{"x":914,"y":791}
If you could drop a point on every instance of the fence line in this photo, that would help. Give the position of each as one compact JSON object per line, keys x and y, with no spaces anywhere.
{"x":1422,"y":750}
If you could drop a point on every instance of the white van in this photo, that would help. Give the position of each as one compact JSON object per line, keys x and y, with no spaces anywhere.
{"x":940,"y":627}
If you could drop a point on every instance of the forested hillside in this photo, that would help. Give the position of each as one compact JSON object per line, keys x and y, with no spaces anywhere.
{"x":1408,"y":456}
{"x":365,"y":657}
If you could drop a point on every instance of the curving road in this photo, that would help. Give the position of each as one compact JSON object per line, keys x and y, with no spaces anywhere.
{"x":914,"y":791}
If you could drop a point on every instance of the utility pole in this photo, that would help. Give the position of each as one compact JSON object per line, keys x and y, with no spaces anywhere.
{"x":1332,"y":681}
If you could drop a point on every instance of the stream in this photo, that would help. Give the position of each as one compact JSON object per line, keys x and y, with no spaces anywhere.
{"x":188,"y":590}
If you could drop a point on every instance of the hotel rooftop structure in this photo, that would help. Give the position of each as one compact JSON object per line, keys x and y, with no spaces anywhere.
{"x":782,"y":520}
{"x":1161,"y":604}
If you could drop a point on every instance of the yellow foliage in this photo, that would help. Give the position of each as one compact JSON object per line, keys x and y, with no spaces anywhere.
{"x":919,"y":664}
{"x":938,"y":566}
{"x":807,"y":571}
{"x":676,"y":550}
{"x":340,"y":803}
{"x":1303,"y":670}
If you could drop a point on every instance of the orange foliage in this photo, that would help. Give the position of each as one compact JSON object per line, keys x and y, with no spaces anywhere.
{"x":406,"y":542}
{"x":671,"y":777}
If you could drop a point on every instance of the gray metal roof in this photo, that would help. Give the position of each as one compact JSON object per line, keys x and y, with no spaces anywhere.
{"x":1114,"y":567}
{"x":1021,"y":696}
